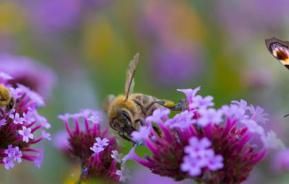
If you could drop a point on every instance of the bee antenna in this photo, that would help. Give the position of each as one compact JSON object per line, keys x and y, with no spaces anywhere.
{"x":129,"y":83}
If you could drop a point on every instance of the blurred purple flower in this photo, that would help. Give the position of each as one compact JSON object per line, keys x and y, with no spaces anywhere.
{"x":144,"y":176}
{"x":61,"y":141}
{"x":280,"y":162}
{"x":223,"y":150}
{"x":246,"y":19}
{"x":54,"y":15}
{"x":94,"y":147}
{"x":29,"y":73}
{"x":96,"y":4}
{"x":173,"y":64}
{"x":21,"y":126}
{"x":256,"y":78}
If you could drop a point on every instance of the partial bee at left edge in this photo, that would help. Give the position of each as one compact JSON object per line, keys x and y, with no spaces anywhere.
{"x":6,"y":100}
{"x":279,"y":50}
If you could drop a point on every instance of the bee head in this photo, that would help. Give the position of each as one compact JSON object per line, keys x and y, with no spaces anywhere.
{"x":122,"y":122}
{"x":120,"y":114}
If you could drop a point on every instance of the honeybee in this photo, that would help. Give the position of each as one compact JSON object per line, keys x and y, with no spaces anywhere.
{"x":279,"y":49}
{"x":6,"y":100}
{"x":127,"y":112}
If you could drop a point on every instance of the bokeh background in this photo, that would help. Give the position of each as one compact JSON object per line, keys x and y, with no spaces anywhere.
{"x":218,"y":45}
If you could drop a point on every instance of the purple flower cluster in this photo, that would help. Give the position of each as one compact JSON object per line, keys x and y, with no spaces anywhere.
{"x":204,"y":143}
{"x":29,"y":73}
{"x":95,"y":148}
{"x":52,"y":16}
{"x":21,"y":126}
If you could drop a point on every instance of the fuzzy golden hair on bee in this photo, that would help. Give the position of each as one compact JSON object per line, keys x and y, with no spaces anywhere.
{"x":5,"y":97}
{"x":120,"y":102}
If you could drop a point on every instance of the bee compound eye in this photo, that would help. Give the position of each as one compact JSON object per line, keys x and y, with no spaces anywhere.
{"x":125,"y":115}
{"x":115,"y":124}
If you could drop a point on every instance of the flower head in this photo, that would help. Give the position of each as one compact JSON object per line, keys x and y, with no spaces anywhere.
{"x":207,"y":144}
{"x":21,"y":126}
{"x":94,"y":147}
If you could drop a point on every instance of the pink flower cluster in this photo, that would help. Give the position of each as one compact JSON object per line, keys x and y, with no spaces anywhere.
{"x":21,"y":126}
{"x":207,"y":144}
{"x":94,"y":147}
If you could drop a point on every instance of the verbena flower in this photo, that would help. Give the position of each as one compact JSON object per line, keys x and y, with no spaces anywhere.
{"x":94,"y":147}
{"x":21,"y":126}
{"x":209,"y":145}
{"x":29,"y":73}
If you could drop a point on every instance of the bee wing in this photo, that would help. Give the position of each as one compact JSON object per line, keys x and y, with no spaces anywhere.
{"x":279,"y":49}
{"x":129,"y":83}
{"x":107,"y":102}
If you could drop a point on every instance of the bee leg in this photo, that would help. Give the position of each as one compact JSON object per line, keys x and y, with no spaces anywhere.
{"x":180,"y":106}
{"x":139,"y":122}
{"x":125,"y":136}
